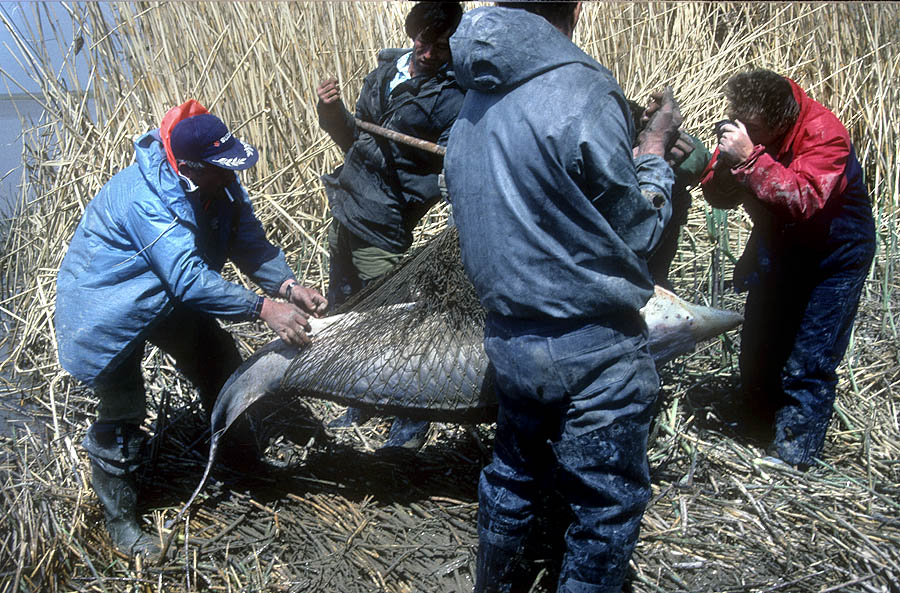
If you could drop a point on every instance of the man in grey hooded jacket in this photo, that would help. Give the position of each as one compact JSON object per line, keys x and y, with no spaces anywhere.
{"x":557,"y":215}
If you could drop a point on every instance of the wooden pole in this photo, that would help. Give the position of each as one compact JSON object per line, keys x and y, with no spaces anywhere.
{"x":402,"y":138}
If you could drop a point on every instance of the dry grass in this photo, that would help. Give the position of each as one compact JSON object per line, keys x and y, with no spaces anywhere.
{"x":344,"y":519}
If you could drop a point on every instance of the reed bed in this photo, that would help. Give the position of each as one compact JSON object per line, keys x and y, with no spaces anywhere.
{"x":338,"y":517}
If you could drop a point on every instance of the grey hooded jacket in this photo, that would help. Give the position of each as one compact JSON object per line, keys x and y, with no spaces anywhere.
{"x":556,"y":218}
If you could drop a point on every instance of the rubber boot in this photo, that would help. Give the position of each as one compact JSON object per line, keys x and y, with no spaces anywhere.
{"x":498,"y":570}
{"x":118,"y":496}
{"x":406,"y":433}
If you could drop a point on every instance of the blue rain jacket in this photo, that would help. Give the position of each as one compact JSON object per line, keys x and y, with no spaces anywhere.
{"x":556,"y":218}
{"x":145,"y":244}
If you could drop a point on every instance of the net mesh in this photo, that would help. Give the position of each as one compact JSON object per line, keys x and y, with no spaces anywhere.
{"x":410,"y":342}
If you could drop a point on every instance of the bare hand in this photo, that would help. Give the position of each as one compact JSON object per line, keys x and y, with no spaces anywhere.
{"x":652,"y":107}
{"x":329,"y":94}
{"x":287,"y":321}
{"x":308,"y":299}
{"x":661,"y":130}
{"x":735,"y":145}
{"x":682,"y":149}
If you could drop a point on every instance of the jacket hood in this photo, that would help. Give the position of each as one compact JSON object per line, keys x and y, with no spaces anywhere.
{"x":150,"y":157}
{"x":497,"y":48}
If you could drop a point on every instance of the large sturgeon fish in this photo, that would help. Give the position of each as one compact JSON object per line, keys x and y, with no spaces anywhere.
{"x":438,"y":382}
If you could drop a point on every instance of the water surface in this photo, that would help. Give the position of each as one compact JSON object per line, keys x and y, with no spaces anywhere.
{"x":12,"y":107}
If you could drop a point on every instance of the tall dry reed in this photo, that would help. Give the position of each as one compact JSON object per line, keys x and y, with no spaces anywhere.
{"x":257,"y":65}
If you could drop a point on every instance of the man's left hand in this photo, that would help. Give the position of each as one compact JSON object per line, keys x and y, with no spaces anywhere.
{"x":308,"y":299}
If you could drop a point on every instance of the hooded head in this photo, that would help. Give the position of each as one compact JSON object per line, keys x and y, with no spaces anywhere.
{"x":498,"y":47}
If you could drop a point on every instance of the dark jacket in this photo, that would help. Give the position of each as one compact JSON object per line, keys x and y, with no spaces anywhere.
{"x":807,"y":199}
{"x":384,"y":188}
{"x":556,"y":218}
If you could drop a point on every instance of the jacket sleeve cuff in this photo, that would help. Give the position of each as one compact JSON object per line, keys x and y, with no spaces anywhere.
{"x":745,"y":167}
{"x":655,"y":179}
{"x":257,"y":308}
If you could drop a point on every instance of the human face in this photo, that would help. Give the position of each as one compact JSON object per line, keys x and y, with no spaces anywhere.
{"x":759,"y":131}
{"x":429,"y":56}
{"x":208,"y":178}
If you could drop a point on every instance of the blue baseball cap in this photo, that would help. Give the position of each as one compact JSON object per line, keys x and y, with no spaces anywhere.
{"x":205,"y":138}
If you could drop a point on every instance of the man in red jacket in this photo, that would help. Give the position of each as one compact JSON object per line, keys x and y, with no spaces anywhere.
{"x":790,"y":163}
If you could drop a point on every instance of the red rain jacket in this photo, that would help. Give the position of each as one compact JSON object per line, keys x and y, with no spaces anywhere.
{"x":794,"y":180}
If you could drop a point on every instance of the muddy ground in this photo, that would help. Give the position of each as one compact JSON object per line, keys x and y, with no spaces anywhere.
{"x":335,"y":514}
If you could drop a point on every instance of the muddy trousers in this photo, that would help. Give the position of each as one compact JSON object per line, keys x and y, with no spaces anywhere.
{"x":575,"y":404}
{"x":794,"y":336}
{"x":206,"y":354}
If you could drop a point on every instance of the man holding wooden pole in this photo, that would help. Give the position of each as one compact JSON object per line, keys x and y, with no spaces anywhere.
{"x":385,"y":187}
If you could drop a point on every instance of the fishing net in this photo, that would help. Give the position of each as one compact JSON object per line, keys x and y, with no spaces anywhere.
{"x":409,"y":343}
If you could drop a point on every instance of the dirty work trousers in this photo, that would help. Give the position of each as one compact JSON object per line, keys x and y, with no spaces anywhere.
{"x":353,"y":264}
{"x":575,"y":404}
{"x":796,"y":329}
{"x":204,"y":352}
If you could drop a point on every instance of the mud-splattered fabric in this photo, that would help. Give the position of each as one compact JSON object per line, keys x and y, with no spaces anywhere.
{"x":575,"y":408}
{"x":805,"y":263}
{"x":556,"y":220}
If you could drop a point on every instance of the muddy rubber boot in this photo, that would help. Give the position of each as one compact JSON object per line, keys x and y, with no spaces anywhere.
{"x":118,"y":495}
{"x":407,"y":434}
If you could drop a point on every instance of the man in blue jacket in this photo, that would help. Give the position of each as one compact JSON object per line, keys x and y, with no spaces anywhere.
{"x":557,"y":215}
{"x":383,"y":188}
{"x":144,"y":266}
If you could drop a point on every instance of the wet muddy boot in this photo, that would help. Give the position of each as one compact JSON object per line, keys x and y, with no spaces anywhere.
{"x":118,"y":496}
{"x":407,"y":434}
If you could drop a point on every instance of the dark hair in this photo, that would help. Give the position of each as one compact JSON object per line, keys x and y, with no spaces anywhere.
{"x":762,"y":93}
{"x":558,"y":14}
{"x":433,"y":19}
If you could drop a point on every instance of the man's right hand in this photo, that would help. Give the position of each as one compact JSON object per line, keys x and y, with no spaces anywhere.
{"x":329,"y":95}
{"x":286,"y":320}
{"x":661,"y":131}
